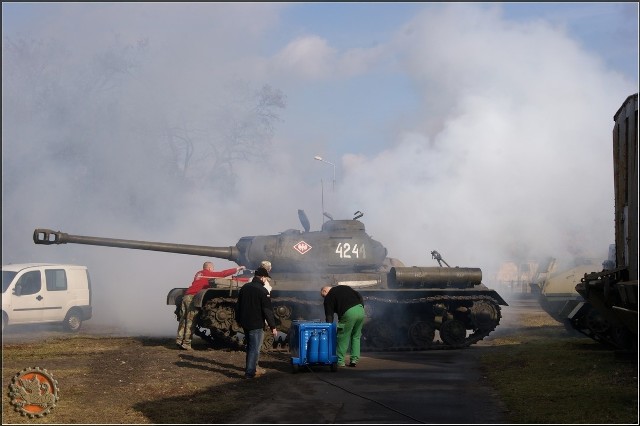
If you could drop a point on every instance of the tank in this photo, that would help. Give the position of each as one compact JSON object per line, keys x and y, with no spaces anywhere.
{"x":555,"y":290}
{"x":609,"y":313}
{"x":407,"y":308}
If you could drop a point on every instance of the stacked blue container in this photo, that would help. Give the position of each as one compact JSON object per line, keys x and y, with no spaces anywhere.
{"x":313,"y":343}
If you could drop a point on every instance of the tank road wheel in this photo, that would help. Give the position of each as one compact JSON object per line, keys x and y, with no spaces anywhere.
{"x":421,"y":334}
{"x":453,"y":333}
{"x":484,"y":315}
{"x":223,"y":317}
{"x":282,"y":312}
{"x":217,"y":316}
{"x":377,"y":335}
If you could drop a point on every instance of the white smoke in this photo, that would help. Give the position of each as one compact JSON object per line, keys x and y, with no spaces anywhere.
{"x":115,"y":126}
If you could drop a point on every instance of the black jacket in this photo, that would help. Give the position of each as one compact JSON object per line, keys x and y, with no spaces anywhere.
{"x":254,"y":306}
{"x":339,"y":300}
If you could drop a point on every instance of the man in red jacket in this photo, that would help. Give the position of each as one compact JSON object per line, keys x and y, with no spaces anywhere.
{"x":188,"y":310}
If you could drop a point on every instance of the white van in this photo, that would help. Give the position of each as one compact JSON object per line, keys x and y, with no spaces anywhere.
{"x":35,"y":293}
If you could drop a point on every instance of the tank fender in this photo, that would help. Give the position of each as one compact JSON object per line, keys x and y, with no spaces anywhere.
{"x":174,"y":294}
{"x":203,"y":296}
{"x":498,"y":298}
{"x":175,"y":297}
{"x":199,"y":298}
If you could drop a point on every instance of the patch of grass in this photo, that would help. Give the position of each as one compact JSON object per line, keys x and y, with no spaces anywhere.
{"x":62,"y":348}
{"x":568,"y":380}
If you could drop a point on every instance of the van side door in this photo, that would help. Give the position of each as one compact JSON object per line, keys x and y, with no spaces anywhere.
{"x":26,"y":299}
{"x":57,"y":295}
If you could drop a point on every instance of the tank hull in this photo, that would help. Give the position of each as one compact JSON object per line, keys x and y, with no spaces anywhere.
{"x":395,"y":319}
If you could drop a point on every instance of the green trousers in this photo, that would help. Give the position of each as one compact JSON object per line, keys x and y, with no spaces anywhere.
{"x":349,"y":333}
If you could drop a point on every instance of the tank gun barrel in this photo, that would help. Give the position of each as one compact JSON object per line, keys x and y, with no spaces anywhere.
{"x":49,"y":237}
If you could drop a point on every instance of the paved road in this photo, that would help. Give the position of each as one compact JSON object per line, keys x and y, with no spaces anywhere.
{"x":436,"y":387}
{"x":433,"y":387}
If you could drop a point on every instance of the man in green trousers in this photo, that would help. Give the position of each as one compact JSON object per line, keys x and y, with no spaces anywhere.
{"x":348,"y":304}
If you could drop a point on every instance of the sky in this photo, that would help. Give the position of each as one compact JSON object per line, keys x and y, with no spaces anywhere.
{"x":480,"y":130}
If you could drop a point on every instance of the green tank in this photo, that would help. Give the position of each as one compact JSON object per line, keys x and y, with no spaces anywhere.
{"x":407,"y":308}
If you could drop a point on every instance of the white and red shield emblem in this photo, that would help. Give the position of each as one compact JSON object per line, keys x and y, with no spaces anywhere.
{"x":302,"y":247}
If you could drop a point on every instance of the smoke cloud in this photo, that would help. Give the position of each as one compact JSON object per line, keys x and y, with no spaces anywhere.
{"x":198,"y":124}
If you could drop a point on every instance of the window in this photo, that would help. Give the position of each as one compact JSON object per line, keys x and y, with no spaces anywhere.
{"x":7,"y":277}
{"x":29,"y":283}
{"x":56,"y":279}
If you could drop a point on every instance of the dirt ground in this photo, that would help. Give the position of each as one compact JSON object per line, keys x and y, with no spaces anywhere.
{"x":137,"y":380}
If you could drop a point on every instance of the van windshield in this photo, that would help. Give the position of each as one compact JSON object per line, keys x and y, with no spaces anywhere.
{"x":7,"y":277}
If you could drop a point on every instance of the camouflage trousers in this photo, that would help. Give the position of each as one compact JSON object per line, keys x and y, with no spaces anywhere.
{"x":186,"y":325}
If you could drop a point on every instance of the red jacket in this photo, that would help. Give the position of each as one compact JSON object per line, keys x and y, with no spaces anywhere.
{"x":201,"y":279}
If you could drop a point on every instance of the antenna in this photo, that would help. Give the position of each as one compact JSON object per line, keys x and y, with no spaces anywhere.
{"x":435,"y":255}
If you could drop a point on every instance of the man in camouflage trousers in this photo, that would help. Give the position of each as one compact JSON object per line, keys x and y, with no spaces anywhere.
{"x":188,"y":311}
{"x":185,"y":325}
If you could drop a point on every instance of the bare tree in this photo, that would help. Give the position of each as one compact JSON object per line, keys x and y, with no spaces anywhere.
{"x":86,"y":118}
{"x":241,"y":131}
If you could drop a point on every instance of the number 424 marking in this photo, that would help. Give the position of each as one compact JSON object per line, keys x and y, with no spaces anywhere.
{"x":345,"y":251}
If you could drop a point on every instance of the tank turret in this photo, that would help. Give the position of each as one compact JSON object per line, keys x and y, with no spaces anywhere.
{"x":405,"y":306}
{"x":341,"y":246}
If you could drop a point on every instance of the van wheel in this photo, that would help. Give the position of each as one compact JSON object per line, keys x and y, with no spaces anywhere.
{"x":73,"y":321}
{"x":5,"y":320}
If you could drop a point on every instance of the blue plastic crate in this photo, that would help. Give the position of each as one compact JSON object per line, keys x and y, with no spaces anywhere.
{"x":306,"y":350}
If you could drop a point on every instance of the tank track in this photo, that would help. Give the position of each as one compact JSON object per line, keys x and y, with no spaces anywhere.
{"x":459,"y":321}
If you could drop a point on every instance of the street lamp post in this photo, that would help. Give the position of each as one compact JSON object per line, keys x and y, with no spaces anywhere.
{"x":317,"y":157}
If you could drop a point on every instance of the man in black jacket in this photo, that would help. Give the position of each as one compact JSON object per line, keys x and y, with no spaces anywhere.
{"x":348,"y":304}
{"x":253,"y":308}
